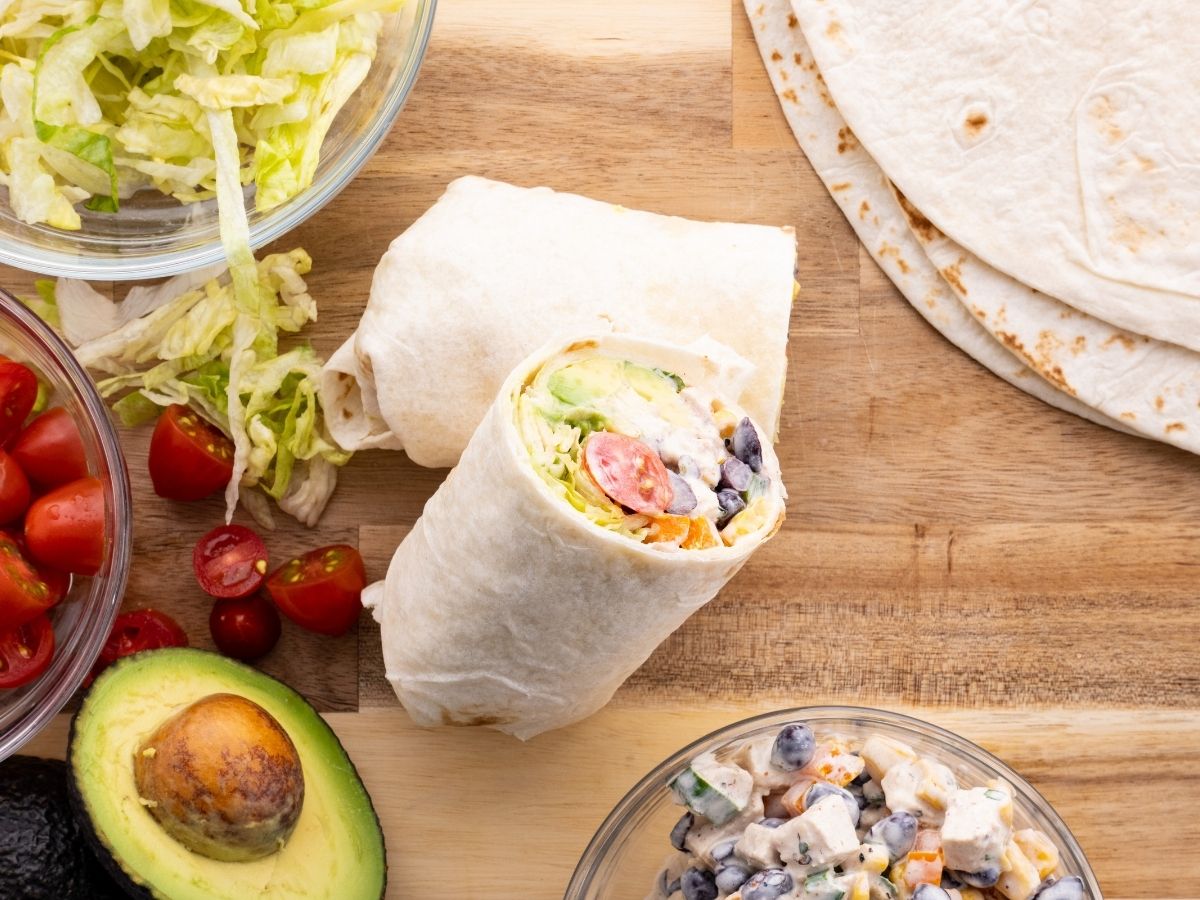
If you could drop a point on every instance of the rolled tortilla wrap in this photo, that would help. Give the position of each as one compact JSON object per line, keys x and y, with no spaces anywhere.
{"x":493,"y":271}
{"x":525,"y":594}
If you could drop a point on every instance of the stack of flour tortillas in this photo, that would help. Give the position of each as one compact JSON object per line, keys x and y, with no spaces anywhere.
{"x":1027,"y":173}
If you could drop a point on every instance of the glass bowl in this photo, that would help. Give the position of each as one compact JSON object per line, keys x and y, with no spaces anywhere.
{"x":154,"y":235}
{"x":627,"y":852}
{"x":83,"y":619}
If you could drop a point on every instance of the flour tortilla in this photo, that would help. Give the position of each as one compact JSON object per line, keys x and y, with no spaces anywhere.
{"x":1151,"y":386}
{"x":492,"y":271}
{"x":1054,"y":139}
{"x":864,"y":194}
{"x":506,"y":607}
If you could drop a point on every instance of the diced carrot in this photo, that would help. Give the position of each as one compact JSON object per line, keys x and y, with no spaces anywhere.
{"x":700,"y":535}
{"x":833,"y":762}
{"x":793,"y":799}
{"x":923,"y":868}
{"x":668,"y":529}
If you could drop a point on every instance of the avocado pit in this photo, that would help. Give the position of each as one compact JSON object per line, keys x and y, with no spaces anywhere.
{"x":223,"y":778}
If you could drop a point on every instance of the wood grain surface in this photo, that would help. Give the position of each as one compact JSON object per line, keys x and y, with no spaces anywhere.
{"x":953,"y":548}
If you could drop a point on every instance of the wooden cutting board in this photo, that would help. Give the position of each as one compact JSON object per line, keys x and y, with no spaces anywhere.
{"x":953,"y":548}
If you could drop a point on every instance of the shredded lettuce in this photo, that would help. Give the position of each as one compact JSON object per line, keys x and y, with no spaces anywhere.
{"x":189,"y":351}
{"x":103,"y":98}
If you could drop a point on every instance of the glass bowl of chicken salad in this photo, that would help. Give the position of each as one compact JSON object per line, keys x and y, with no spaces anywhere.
{"x":833,"y":803}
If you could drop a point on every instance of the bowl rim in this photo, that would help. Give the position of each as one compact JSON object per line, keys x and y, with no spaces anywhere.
{"x":83,"y":650}
{"x":306,"y":204}
{"x":656,"y":779}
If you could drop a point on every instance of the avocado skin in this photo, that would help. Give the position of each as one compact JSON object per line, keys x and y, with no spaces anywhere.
{"x":126,"y":887}
{"x":41,"y":854}
{"x":100,"y":852}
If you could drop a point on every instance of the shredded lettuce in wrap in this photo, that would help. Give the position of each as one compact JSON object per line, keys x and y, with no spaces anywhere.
{"x":555,"y":444}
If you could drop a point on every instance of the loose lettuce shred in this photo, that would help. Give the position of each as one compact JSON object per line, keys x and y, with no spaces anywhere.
{"x":182,"y":351}
{"x":102,"y":98}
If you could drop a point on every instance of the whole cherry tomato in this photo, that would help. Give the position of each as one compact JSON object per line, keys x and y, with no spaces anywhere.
{"x":14,"y":489}
{"x":64,"y":529}
{"x":230,"y":561}
{"x":18,"y":393}
{"x":189,"y":458}
{"x":25,"y":652}
{"x":321,"y":590}
{"x":245,"y":628}
{"x":50,"y":449}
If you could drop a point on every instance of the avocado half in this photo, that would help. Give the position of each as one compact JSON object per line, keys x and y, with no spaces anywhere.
{"x":336,"y":849}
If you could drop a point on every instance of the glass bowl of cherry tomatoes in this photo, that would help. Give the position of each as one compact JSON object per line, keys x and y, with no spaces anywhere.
{"x":65,"y":524}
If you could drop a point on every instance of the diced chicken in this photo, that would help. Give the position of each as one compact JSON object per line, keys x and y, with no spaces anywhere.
{"x":823,"y":836}
{"x":1020,"y":876}
{"x":833,"y":762}
{"x":703,"y":838}
{"x":881,"y":753}
{"x":922,"y":788}
{"x":755,"y":758}
{"x":757,"y":846}
{"x":977,"y":829}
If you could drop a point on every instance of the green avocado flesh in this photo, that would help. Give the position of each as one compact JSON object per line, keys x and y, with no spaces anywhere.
{"x":336,"y":850}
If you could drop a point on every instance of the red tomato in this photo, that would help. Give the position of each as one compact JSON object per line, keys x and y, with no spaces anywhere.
{"x":628,"y":471}
{"x":14,"y":489}
{"x":25,"y":652}
{"x":189,"y":459}
{"x":141,"y":629}
{"x":320,"y":590}
{"x":24,"y":593}
{"x":230,"y":561}
{"x":18,"y":391}
{"x":50,"y":449}
{"x":64,"y":529}
{"x":246,"y":628}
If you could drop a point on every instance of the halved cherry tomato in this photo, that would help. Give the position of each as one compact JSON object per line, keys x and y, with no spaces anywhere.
{"x":18,"y":392}
{"x":25,"y":652}
{"x":628,"y":471}
{"x":141,"y":629}
{"x":24,"y":593}
{"x":230,"y":561}
{"x":50,"y":450}
{"x":321,"y":590}
{"x":58,"y":582}
{"x":64,"y":529}
{"x":189,"y":459}
{"x":14,"y":489}
{"x":246,"y":628}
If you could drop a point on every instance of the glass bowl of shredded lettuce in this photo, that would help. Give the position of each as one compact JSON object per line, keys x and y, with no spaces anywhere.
{"x":120,"y":119}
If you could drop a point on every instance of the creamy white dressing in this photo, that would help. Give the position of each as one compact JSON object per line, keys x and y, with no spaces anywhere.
{"x":958,"y":832}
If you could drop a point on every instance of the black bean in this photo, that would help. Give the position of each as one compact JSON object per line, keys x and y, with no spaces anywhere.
{"x":683,"y":498}
{"x":794,"y":747}
{"x":770,"y":823}
{"x":698,"y":884}
{"x":929,"y":892}
{"x":735,"y":475}
{"x":746,"y":445}
{"x":732,"y":877}
{"x":769,"y":884}
{"x":898,"y":832}
{"x":731,"y":504}
{"x":723,"y":850}
{"x":984,"y":878}
{"x":680,"y":832}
